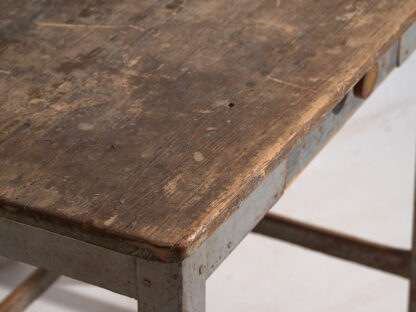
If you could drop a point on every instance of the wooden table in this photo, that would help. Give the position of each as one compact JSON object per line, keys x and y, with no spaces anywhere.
{"x":141,"y":141}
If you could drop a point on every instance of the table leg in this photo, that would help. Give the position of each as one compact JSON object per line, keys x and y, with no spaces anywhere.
{"x":170,"y":287}
{"x":412,"y":294}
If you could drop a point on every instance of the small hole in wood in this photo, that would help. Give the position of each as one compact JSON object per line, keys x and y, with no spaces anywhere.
{"x":231,"y":105}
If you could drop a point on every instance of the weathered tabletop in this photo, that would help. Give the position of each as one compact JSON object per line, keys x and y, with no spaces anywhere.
{"x":140,"y":125}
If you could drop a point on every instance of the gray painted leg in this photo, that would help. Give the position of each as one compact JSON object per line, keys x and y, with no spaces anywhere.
{"x":172,"y":287}
{"x":412,"y":294}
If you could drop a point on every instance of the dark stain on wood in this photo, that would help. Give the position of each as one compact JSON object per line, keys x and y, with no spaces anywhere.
{"x":80,"y":62}
{"x":174,"y":4}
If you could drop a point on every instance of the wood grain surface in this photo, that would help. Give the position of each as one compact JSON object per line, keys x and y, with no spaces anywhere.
{"x":140,"y":125}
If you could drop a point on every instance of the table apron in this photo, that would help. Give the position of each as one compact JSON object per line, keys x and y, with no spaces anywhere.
{"x":82,"y":261}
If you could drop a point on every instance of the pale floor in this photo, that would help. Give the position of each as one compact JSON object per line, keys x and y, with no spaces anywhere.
{"x":361,"y":183}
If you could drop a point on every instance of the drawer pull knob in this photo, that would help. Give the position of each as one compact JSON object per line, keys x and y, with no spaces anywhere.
{"x":366,"y":85}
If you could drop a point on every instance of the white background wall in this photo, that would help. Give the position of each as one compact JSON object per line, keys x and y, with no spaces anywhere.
{"x":361,"y":183}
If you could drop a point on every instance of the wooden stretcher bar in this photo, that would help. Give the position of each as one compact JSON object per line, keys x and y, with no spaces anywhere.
{"x":30,"y":289}
{"x":378,"y":256}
